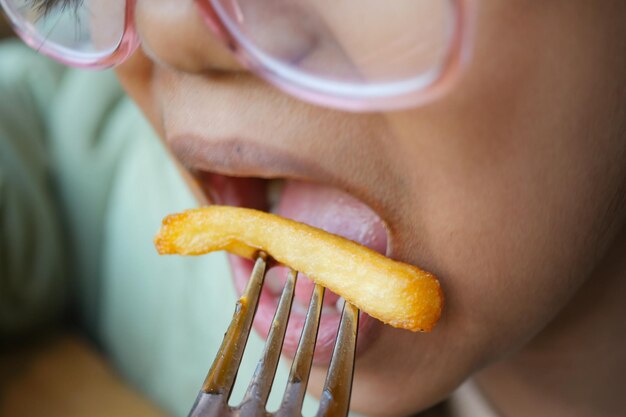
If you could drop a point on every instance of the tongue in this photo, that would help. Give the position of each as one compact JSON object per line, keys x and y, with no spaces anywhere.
{"x":333,"y":211}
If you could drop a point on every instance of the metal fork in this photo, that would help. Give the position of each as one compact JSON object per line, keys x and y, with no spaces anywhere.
{"x":212,"y":401}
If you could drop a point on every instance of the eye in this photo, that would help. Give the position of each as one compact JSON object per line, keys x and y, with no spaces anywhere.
{"x":46,"y":6}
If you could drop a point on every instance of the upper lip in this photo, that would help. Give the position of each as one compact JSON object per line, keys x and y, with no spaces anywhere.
{"x":243,"y":158}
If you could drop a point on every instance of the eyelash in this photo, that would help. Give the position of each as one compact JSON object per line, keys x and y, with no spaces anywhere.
{"x":46,"y":6}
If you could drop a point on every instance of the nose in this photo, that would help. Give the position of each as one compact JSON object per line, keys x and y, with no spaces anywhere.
{"x":175,"y":34}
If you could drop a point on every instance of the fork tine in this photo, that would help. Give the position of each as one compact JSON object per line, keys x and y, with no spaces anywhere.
{"x":213,"y":398}
{"x":335,"y":401}
{"x":301,"y":367}
{"x":259,"y":389}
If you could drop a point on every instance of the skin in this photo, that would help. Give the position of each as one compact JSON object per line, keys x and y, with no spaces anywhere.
{"x":511,"y":188}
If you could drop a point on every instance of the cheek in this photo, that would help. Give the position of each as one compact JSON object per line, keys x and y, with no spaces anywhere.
{"x":506,"y":214}
{"x":509,"y":179}
{"x":504,"y":227}
{"x":501,"y":258}
{"x":496,"y":218}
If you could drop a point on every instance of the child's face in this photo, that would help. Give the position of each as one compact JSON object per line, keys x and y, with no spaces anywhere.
{"x":503,"y":188}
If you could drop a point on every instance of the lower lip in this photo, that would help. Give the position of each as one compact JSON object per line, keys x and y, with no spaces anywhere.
{"x":329,"y":322}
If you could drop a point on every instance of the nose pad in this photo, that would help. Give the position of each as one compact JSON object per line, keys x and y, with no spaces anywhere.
{"x":173,"y":33}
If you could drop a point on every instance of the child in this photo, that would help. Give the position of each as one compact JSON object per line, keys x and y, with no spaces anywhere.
{"x":509,"y":184}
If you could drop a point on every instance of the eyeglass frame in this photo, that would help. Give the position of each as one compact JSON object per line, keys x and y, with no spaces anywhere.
{"x":457,"y":56}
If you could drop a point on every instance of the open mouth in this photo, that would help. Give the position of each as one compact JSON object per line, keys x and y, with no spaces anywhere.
{"x":320,"y":206}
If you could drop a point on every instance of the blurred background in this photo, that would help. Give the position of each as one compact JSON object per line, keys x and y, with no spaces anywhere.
{"x":61,"y":373}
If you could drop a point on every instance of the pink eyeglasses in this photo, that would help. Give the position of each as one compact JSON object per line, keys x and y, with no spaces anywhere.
{"x":358,"y":55}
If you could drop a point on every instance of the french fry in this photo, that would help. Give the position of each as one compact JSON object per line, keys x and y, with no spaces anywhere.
{"x":395,"y":293}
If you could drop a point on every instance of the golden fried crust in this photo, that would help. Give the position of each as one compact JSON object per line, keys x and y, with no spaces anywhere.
{"x":393,"y":292}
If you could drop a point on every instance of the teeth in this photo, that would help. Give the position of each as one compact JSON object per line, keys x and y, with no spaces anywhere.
{"x":274,"y":191}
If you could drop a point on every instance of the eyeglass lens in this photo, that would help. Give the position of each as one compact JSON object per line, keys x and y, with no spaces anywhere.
{"x":88,"y":28}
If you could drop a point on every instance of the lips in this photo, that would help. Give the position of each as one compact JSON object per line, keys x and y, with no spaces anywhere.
{"x":320,"y":206}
